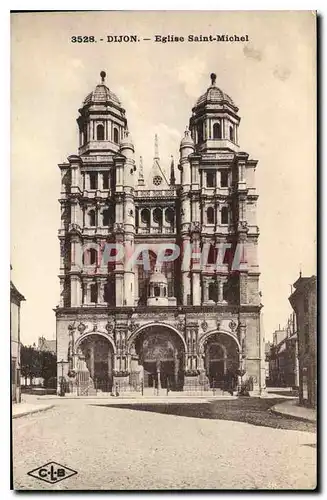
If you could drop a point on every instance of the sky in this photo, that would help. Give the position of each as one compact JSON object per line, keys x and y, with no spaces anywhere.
{"x":271,"y":78}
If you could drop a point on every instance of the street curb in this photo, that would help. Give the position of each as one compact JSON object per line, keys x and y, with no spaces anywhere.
{"x":36,"y":410}
{"x":289,"y":415}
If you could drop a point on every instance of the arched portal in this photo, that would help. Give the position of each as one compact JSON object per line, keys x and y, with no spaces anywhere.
{"x":160,"y":352}
{"x":99,"y":355}
{"x":221,"y":359}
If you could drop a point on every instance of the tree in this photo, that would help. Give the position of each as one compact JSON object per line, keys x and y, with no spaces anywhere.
{"x":48,"y":366}
{"x":30,"y":363}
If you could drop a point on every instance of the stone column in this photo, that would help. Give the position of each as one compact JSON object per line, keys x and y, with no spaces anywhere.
{"x":62,"y":285}
{"x":92,"y":360}
{"x":75,"y":291}
{"x":220,"y":291}
{"x":205,"y":285}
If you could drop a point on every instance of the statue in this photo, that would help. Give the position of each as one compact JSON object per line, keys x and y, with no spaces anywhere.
{"x":133,"y":350}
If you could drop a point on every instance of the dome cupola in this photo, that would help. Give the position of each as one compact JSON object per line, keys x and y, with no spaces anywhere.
{"x":102,"y":121}
{"x":214,"y":122}
{"x":158,"y":288}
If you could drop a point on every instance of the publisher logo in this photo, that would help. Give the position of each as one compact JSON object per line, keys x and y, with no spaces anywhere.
{"x":52,"y":472}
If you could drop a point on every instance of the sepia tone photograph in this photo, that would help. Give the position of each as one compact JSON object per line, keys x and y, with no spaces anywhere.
{"x":163,"y":289}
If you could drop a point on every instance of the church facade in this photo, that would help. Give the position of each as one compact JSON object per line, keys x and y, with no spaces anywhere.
{"x":159,"y":278}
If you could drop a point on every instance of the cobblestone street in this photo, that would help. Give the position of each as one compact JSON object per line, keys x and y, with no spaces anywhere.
{"x":119,"y":448}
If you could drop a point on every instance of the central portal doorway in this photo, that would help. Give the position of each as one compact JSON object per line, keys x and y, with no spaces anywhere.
{"x":161,"y":353}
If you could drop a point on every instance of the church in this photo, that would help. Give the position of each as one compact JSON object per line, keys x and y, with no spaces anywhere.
{"x":174,"y":322}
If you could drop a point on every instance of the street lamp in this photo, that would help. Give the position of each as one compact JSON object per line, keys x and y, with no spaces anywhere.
{"x":62,"y":387}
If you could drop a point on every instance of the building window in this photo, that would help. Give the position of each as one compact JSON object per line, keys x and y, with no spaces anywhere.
{"x":93,"y":255}
{"x":105,"y":217}
{"x":94,"y":293}
{"x":105,"y":180}
{"x":231,"y":134}
{"x":156,"y":291}
{"x":223,"y":178}
{"x":306,"y":339}
{"x":225,"y":292}
{"x":116,"y":135}
{"x":92,"y":217}
{"x":210,"y":215}
{"x":100,"y":132}
{"x":200,"y":132}
{"x":157,"y":216}
{"x":224,"y":215}
{"x":211,"y":179}
{"x":216,"y":131}
{"x":213,"y":291}
{"x":93,"y":180}
{"x":145,"y":217}
{"x":212,"y":254}
{"x":85,"y":134}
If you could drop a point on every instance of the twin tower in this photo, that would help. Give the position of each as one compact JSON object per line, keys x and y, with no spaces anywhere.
{"x":205,"y":205}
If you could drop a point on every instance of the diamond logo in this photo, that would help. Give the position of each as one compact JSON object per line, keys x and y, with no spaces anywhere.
{"x":52,"y":472}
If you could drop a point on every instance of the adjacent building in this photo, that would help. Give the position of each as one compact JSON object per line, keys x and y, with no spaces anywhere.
{"x":47,"y":345}
{"x":304,"y":303}
{"x":15,"y":301}
{"x":188,"y":321}
{"x":283,"y":357}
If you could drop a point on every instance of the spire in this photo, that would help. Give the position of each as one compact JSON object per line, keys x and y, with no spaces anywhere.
{"x":157,"y":174}
{"x":156,"y":148}
{"x":172,"y":172}
{"x":140,"y":181}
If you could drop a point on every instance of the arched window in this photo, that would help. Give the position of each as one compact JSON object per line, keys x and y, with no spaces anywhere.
{"x":224,"y":215}
{"x":92,"y":217}
{"x":200,"y":132}
{"x":210,"y":215}
{"x":216,"y":130}
{"x":144,"y":273}
{"x":116,"y":135}
{"x":231,"y":134}
{"x":93,"y":254}
{"x":156,"y":291}
{"x":157,"y":216}
{"x":145,"y":217}
{"x":100,"y":132}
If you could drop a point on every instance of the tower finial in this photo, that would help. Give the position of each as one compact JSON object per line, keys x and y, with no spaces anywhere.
{"x":156,"y":147}
{"x":213,"y":77}
{"x":103,"y":76}
{"x":141,"y":176}
{"x":172,"y":172}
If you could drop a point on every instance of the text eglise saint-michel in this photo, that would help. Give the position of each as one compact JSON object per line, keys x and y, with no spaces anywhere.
{"x":171,"y":38}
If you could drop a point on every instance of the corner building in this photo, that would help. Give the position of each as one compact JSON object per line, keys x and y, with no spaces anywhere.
{"x":182,"y":325}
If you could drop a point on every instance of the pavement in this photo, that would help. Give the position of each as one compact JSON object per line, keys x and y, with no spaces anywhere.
{"x":26,"y":408}
{"x":292,"y":409}
{"x":126,"y":448}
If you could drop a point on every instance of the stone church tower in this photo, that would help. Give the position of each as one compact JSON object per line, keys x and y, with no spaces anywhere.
{"x":159,"y":279}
